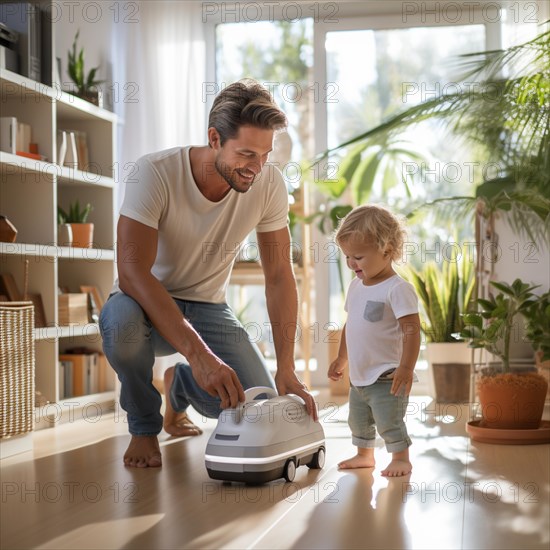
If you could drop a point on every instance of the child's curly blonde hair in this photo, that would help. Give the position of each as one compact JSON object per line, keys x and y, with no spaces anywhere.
{"x":373,"y":222}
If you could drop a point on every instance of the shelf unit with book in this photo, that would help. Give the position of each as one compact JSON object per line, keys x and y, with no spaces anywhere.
{"x":30,"y":192}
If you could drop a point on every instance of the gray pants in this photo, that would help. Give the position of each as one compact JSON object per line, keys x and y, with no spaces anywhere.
{"x":374,"y":408}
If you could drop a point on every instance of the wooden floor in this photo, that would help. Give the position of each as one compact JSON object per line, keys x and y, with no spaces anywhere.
{"x":73,"y":492}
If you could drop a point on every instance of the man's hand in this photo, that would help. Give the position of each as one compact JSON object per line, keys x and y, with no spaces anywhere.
{"x":288,"y":382}
{"x":217,"y":379}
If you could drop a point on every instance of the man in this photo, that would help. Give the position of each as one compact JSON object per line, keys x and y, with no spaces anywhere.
{"x":181,"y":215}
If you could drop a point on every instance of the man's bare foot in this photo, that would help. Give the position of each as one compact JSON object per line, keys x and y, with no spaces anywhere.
{"x":143,"y":452}
{"x":363,"y":459}
{"x":397,"y":468}
{"x":177,"y":424}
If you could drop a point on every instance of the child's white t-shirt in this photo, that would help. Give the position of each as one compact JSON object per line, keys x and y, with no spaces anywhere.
{"x":198,"y":240}
{"x":374,"y":338}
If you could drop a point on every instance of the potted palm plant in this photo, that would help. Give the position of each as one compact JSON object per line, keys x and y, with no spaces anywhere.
{"x":86,"y":84}
{"x":76,"y":217}
{"x":510,"y":398}
{"x":445,"y":293}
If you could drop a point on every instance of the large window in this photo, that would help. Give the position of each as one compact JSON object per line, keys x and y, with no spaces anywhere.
{"x":278,"y":54}
{"x":377,"y":73}
{"x":370,"y":72}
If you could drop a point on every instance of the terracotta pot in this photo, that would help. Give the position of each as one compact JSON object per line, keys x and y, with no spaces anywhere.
{"x":512,"y":400}
{"x":543,"y":368}
{"x":83,"y":235}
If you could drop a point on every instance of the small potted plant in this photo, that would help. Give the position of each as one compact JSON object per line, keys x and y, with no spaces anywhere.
{"x":445,"y":293}
{"x":82,"y":232}
{"x":86,"y":85}
{"x":509,"y":398}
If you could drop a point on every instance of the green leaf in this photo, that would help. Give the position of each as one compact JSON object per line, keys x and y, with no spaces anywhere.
{"x":363,"y":179}
{"x":473,"y":319}
{"x":351,"y":161}
{"x":333,"y":188}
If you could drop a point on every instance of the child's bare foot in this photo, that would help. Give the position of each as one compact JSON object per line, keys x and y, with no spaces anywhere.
{"x":397,"y":468}
{"x":143,"y":452}
{"x":175,"y":423}
{"x":363,"y":459}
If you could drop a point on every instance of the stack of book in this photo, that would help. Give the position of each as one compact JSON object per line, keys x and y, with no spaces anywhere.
{"x":82,"y":373}
{"x":16,"y":138}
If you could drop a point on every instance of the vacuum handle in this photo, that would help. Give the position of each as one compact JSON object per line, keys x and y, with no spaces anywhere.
{"x":251,"y":393}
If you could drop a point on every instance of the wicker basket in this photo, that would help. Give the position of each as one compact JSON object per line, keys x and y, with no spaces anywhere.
{"x":16,"y":368}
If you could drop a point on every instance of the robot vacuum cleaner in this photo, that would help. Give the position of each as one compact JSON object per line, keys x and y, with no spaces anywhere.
{"x":264,"y":438}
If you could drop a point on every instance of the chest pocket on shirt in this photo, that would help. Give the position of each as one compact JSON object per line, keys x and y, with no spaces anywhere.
{"x":374,"y":311}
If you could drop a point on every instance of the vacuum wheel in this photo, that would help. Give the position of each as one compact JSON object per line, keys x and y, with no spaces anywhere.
{"x":290,"y":470}
{"x":318,"y":460}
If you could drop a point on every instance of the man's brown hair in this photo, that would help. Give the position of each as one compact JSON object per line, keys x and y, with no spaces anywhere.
{"x":244,"y":103}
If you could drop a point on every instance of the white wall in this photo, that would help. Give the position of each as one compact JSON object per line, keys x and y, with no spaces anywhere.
{"x":519,"y":257}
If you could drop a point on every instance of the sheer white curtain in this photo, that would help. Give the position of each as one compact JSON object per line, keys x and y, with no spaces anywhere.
{"x":159,"y":64}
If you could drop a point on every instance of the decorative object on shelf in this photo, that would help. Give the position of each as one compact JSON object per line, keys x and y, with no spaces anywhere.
{"x":8,"y":134}
{"x":510,"y":398}
{"x":73,"y":309}
{"x":64,"y":234}
{"x":8,"y":287}
{"x":83,"y":232}
{"x":8,"y":232}
{"x":71,"y":153}
{"x":17,"y":361}
{"x":95,"y":302}
{"x":39,"y":312}
{"x":62,"y":139}
{"x":86,"y":85}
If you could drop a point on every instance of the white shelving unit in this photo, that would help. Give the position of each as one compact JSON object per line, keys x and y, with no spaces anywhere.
{"x":30,"y":192}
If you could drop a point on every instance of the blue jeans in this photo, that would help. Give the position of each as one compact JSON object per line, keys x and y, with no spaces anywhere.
{"x":374,"y":405}
{"x":131,"y":343}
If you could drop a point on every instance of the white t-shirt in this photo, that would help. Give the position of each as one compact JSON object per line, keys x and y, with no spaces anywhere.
{"x":198,"y":240}
{"x":374,"y":338}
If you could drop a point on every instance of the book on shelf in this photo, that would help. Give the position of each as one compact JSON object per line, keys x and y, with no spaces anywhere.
{"x":26,"y":19}
{"x":82,"y":373}
{"x":23,"y":137}
{"x":16,"y":137}
{"x":8,"y":134}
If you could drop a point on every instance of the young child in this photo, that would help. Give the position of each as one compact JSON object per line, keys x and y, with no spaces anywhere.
{"x":381,"y":337}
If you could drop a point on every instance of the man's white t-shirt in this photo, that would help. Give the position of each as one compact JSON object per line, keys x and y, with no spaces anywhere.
{"x":198,"y":240}
{"x":374,"y":338}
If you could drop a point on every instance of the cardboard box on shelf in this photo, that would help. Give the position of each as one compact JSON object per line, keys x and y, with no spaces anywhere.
{"x":73,"y":309}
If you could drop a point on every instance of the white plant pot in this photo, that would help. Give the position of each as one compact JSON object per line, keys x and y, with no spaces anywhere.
{"x":449,"y":371}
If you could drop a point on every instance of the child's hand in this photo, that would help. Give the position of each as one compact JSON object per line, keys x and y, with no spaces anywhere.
{"x":337,"y":368}
{"x":402,"y":381}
